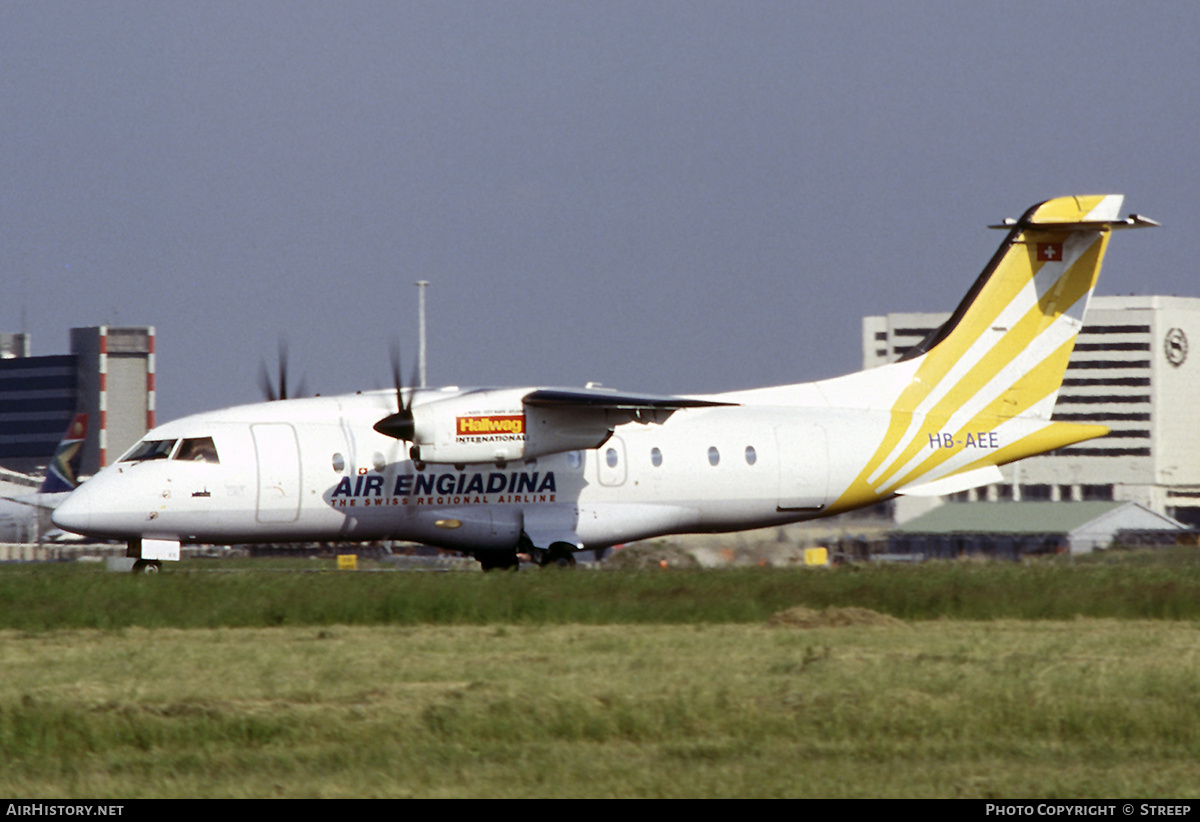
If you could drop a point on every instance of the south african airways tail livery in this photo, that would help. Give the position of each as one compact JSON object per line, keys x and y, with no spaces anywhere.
{"x":550,"y":471}
{"x":26,"y":517}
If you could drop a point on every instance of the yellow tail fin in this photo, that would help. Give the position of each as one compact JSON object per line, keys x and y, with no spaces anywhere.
{"x":985,"y":383}
{"x":1005,"y":348}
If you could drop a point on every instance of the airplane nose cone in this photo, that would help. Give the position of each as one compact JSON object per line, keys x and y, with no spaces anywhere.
{"x":74,"y":514}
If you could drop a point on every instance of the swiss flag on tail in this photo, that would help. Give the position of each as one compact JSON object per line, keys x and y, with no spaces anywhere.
{"x":1049,"y":252}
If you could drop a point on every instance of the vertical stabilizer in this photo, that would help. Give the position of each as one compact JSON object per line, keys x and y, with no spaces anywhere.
{"x":1004,"y":350}
{"x":62,"y":474}
{"x":983,"y":386}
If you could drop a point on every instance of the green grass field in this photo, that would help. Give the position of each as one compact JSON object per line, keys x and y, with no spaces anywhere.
{"x":207,"y":594}
{"x":993,"y":680}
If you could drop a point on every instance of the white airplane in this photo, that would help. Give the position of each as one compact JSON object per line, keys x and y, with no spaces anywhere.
{"x":551,"y":471}
{"x":25,"y":517}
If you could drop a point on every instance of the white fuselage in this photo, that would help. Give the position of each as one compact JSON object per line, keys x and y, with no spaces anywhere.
{"x":559,"y":469}
{"x":315,"y":470}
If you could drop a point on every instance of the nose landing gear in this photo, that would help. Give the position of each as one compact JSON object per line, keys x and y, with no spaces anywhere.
{"x":149,"y":553}
{"x":147,"y":566}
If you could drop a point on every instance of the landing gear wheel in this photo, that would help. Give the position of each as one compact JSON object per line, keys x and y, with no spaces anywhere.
{"x":498,"y":560}
{"x":558,"y":556}
{"x":147,"y":566}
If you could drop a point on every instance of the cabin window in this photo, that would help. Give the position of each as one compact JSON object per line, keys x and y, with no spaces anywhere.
{"x":199,"y":449}
{"x":339,"y":463}
{"x":575,"y":458}
{"x":610,"y":456}
{"x":655,"y":457}
{"x":751,"y":455}
{"x":379,"y":463}
{"x":714,"y":456}
{"x":150,"y":450}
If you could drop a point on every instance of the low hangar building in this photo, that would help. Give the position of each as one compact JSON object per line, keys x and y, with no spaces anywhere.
{"x":1016,"y":529}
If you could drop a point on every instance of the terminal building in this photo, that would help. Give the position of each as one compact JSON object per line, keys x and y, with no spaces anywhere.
{"x":108,"y":374}
{"x":1131,"y":370}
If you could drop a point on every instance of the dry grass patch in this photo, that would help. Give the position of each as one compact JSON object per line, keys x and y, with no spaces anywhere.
{"x":833,"y":617}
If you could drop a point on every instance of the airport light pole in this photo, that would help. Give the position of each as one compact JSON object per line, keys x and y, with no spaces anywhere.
{"x":421,"y":286}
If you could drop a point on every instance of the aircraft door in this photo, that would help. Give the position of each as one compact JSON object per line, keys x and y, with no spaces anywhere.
{"x":278,"y":456}
{"x":803,"y":459}
{"x":610,"y":462}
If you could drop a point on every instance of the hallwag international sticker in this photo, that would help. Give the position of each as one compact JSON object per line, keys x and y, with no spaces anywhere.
{"x":490,"y":428}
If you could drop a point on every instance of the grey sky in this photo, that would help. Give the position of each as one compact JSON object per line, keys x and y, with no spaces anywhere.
{"x":661,"y":196}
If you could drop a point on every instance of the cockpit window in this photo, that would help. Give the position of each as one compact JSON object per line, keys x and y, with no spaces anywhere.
{"x":200,"y":449}
{"x":150,"y":450}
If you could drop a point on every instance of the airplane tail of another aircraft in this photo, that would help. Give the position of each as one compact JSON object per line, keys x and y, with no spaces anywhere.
{"x":62,"y":474}
{"x":979,"y":391}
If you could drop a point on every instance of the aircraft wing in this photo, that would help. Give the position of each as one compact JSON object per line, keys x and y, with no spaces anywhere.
{"x":563,"y":419}
{"x":594,"y":398}
{"x":29,"y":501}
{"x":497,"y":425}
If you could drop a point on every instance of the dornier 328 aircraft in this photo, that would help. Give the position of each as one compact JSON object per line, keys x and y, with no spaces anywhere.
{"x":550,"y":471}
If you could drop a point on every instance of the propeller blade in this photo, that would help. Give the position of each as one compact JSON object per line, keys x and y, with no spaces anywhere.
{"x":264,"y":382}
{"x":278,"y":389}
{"x":283,"y":369}
{"x":399,"y":425}
{"x":397,"y":382}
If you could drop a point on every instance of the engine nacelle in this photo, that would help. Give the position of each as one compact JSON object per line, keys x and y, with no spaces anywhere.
{"x":491,"y":426}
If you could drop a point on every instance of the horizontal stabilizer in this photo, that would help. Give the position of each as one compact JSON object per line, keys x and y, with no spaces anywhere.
{"x":1094,"y":212}
{"x":1050,"y":438}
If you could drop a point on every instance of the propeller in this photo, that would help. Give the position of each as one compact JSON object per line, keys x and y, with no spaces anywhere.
{"x":399,"y":425}
{"x":269,"y":387}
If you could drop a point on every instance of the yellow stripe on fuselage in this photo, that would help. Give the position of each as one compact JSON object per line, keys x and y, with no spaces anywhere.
{"x":996,"y":413}
{"x":1037,"y":383}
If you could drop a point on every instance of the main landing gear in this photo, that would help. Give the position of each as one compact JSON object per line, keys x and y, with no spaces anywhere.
{"x":498,"y":560}
{"x":147,"y":566}
{"x":558,"y":555}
